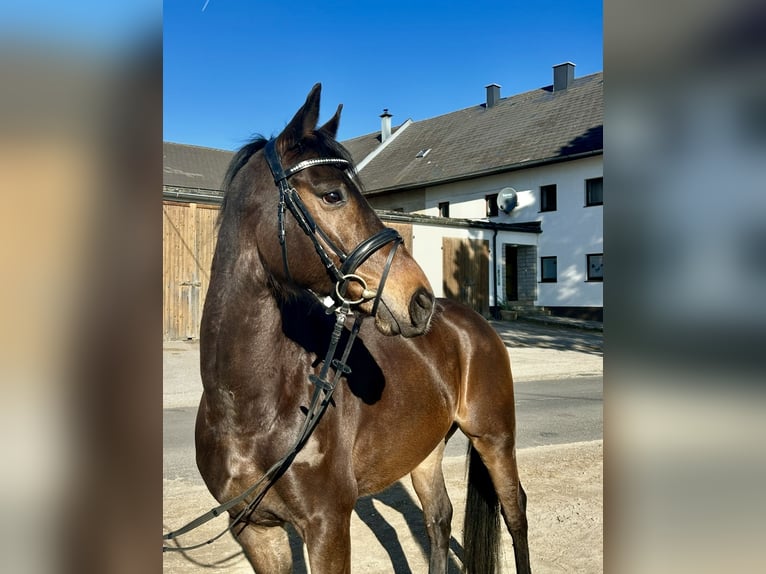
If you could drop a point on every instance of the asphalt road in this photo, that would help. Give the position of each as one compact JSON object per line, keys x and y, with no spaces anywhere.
{"x":558,"y":383}
{"x":548,"y":412}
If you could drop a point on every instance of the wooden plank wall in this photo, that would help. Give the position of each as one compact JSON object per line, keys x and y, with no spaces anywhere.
{"x":465,"y":265}
{"x":189,"y":235}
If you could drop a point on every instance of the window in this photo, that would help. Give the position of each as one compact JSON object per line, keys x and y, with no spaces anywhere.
{"x":548,"y":197}
{"x":596,"y":267}
{"x":594,"y":191}
{"x":444,"y":209}
{"x":548,"y":269}
{"x":491,"y":201}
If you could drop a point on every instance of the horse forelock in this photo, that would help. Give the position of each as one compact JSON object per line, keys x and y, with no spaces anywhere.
{"x":321,"y":145}
{"x":328,"y":147}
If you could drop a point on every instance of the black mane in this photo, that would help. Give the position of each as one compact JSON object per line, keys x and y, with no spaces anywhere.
{"x":238,"y":162}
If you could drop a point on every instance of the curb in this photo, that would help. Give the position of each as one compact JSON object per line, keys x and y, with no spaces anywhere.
{"x":563,"y":322}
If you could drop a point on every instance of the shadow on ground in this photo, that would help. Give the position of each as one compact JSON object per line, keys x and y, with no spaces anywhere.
{"x":522,"y":333}
{"x":399,"y":500}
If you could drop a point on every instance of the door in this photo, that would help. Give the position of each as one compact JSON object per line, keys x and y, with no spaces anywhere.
{"x":465,"y":267}
{"x":511,"y":273}
{"x":188,"y":243}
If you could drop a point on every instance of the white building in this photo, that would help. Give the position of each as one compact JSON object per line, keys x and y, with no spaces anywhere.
{"x":546,"y":145}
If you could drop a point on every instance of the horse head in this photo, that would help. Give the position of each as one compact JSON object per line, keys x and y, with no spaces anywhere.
{"x":314,"y":230}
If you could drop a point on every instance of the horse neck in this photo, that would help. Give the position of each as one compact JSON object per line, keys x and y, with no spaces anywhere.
{"x":241,"y":313}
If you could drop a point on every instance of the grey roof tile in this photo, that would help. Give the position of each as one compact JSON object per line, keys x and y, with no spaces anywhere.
{"x":194,"y":167}
{"x":360,"y":147}
{"x":531,"y":127}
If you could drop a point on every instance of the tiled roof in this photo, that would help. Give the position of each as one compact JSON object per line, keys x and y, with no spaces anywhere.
{"x":521,"y":130}
{"x":193,"y":167}
{"x":536,"y":126}
{"x":362,"y":146}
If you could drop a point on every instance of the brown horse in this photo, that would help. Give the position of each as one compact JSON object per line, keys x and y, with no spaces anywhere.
{"x":417,"y":371}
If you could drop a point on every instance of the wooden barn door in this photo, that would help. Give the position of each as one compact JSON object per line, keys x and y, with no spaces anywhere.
{"x":465,"y":264}
{"x":188,"y":243}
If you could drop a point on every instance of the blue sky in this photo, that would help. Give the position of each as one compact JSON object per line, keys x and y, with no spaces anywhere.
{"x":236,"y":68}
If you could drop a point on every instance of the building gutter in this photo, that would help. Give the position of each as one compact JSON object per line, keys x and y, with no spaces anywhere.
{"x":418,"y":218}
{"x":192,"y":195}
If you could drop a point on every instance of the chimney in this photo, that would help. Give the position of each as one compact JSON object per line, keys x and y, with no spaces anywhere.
{"x":563,"y":75}
{"x":493,"y":94}
{"x":385,"y":125}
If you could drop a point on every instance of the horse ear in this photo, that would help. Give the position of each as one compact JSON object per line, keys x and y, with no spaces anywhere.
{"x":304,"y":121}
{"x":331,"y":127}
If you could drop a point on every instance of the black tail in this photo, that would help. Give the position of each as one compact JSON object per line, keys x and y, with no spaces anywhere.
{"x":481,"y":528}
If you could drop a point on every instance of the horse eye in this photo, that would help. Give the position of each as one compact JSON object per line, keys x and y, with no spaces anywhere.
{"x":332,"y":197}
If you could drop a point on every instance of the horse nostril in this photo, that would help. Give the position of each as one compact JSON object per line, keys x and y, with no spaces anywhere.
{"x":421,"y":307}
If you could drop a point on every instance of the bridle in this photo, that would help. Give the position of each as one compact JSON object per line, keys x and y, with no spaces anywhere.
{"x":341,"y":306}
{"x":343,"y":276}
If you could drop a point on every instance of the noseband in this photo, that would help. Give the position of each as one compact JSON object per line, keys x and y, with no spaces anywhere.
{"x":343,"y":275}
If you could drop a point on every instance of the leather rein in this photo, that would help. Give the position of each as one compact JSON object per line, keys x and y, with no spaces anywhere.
{"x":338,"y":303}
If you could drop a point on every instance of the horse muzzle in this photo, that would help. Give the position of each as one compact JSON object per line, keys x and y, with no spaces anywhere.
{"x":414,"y":321}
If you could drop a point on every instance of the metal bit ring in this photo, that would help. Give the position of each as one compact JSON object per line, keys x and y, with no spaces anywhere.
{"x":343,"y":283}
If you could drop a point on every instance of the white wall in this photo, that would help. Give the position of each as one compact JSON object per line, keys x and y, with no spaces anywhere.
{"x":427,"y":250}
{"x":570,"y":233}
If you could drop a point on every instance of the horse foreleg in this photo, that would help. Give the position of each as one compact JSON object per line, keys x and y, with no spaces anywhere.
{"x":428,"y":481}
{"x":266,"y":548}
{"x":328,"y":542}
